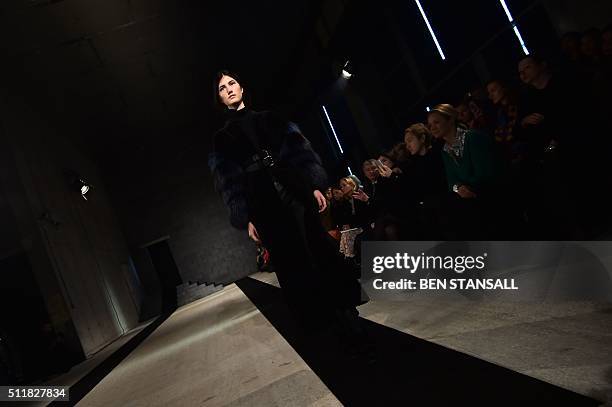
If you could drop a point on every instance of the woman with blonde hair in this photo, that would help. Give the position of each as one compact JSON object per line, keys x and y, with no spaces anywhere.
{"x":471,"y":170}
{"x":354,"y":215}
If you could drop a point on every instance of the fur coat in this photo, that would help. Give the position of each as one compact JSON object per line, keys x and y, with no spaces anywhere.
{"x":232,"y":148}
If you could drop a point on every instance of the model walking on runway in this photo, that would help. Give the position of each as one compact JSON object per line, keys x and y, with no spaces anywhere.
{"x":271,"y":180}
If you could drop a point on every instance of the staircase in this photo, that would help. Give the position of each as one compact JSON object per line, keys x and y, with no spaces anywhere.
{"x":194,"y":290}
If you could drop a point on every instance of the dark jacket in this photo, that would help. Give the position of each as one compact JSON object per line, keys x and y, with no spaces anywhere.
{"x":297,"y":166}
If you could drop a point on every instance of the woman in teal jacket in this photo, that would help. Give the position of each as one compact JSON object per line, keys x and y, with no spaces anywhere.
{"x":471,"y":172}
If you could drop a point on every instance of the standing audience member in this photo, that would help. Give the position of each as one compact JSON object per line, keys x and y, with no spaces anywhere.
{"x":552,"y":122}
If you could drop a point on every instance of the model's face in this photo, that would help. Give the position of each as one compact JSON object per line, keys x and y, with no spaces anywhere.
{"x":606,"y":43}
{"x":529,"y":70}
{"x":496,"y":92}
{"x":230,"y":92}
{"x":413,"y":144}
{"x":464,"y":113}
{"x":370,"y":171}
{"x":386,"y":161}
{"x":439,"y":125}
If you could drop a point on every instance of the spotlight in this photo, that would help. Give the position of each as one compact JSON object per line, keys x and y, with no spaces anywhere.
{"x":77,"y":183}
{"x":84,"y":190}
{"x":347,"y":70}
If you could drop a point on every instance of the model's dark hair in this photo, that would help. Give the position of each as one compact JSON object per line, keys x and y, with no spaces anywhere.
{"x":220,"y":74}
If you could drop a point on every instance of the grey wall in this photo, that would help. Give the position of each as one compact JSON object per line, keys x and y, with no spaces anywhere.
{"x":170,"y":193}
{"x":80,"y":263}
{"x":571,"y":15}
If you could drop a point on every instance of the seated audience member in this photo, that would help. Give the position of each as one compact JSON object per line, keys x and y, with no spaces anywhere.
{"x":424,"y":181}
{"x":471,"y":172}
{"x":389,"y":205}
{"x":394,"y":158}
{"x":590,"y":45}
{"x":353,"y":216}
{"x":593,"y":64}
{"x":474,"y":113}
{"x":570,"y":47}
{"x":371,"y":174}
{"x":606,"y":88}
{"x":385,"y":198}
{"x":465,"y":115}
{"x":327,"y":218}
{"x":506,"y":120}
{"x":606,"y":42}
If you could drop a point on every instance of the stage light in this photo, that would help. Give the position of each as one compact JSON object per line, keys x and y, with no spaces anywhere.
{"x":514,"y":27}
{"x":78,"y":183}
{"x":433,"y":35}
{"x":84,"y":191}
{"x":347,"y":70}
{"x":427,"y":109}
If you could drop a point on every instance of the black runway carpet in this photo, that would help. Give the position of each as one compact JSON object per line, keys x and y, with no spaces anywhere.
{"x":405,"y":370}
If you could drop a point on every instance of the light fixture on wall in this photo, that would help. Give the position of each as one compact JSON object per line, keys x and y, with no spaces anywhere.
{"x":78,"y":183}
{"x":347,"y":70}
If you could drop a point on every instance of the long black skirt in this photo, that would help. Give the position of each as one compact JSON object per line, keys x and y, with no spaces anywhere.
{"x":315,"y":279}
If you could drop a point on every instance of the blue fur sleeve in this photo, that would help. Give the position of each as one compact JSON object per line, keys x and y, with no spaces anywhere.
{"x":297,"y":150}
{"x":228,"y":178}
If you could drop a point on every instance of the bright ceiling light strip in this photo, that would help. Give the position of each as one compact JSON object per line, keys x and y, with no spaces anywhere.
{"x":503,"y":3}
{"x":518,"y":35}
{"x":433,"y":35}
{"x":335,"y":135}
{"x":516,"y":30}
{"x":333,"y":130}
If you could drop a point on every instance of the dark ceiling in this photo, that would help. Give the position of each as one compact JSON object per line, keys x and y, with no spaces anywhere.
{"x":123,"y":75}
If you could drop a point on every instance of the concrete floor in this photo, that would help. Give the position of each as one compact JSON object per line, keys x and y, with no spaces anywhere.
{"x":568,"y":344}
{"x":221,"y":350}
{"x":218,"y":351}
